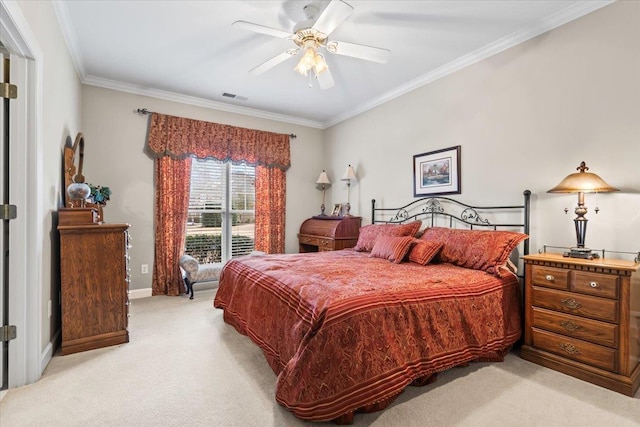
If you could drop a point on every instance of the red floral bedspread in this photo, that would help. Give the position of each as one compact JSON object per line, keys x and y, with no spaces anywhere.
{"x":345,"y":331}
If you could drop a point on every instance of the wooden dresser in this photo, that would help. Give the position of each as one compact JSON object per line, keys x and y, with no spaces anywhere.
{"x":329,"y":233}
{"x":94,"y":269}
{"x":582,"y":318}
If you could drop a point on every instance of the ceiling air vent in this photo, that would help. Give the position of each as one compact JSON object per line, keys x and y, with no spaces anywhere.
{"x":234,"y":96}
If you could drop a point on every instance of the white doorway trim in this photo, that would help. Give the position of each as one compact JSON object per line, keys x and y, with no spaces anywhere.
{"x":26,"y":359}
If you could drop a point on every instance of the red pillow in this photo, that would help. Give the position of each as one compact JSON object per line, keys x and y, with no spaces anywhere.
{"x":423,"y":251}
{"x":370,"y":233}
{"x":477,"y":249}
{"x":392,"y":248}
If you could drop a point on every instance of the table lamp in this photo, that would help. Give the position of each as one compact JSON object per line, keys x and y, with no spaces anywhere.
{"x":582,"y":182}
{"x":349,"y":175}
{"x":323,"y":182}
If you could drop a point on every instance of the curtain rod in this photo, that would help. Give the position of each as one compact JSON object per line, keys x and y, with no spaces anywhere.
{"x":144,"y":111}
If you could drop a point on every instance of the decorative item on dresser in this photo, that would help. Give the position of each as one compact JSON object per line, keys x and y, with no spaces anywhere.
{"x":582,"y":318}
{"x":94,"y":270}
{"x":327,"y":233}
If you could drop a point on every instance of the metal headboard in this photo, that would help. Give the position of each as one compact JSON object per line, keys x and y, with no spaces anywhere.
{"x":444,"y":211}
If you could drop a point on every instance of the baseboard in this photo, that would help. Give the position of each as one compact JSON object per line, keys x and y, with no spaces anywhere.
{"x":139,"y":293}
{"x":47,"y":354}
{"x":146,"y":292}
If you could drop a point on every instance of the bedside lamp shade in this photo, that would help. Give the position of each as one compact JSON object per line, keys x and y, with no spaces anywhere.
{"x":349,"y":175}
{"x":323,"y":178}
{"x":582,"y":182}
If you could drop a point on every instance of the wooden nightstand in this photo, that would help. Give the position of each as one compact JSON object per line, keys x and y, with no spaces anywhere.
{"x":582,"y":318}
{"x":329,"y":233}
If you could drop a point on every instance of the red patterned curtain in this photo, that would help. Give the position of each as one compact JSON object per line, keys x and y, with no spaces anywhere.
{"x":178,"y":137}
{"x":271,"y":189}
{"x":173,"y":141}
{"x":172,"y":180}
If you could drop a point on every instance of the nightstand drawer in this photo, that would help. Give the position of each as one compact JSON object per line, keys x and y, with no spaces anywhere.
{"x":550,"y":277}
{"x":602,"y":285}
{"x":592,"y":354}
{"x":577,"y":327}
{"x":573,"y":303}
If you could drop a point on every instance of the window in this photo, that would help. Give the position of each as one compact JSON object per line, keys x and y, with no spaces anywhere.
{"x":221,"y":220}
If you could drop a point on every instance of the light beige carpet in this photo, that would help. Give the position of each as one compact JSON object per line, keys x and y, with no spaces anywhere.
{"x":185,"y":367}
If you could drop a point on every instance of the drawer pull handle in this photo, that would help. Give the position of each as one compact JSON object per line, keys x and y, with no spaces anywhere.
{"x":570,"y":326}
{"x":570,"y":348}
{"x":550,"y":278}
{"x":571,"y":303}
{"x":594,"y":284}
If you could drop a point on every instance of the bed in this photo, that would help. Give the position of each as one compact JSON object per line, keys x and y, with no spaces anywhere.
{"x":423,"y":291}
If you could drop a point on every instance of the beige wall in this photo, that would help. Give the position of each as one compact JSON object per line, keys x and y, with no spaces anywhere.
{"x":525,"y":119}
{"x":115,"y":138}
{"x":60,"y":120}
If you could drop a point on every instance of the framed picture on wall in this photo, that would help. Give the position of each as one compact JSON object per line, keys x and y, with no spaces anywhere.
{"x":437,"y":172}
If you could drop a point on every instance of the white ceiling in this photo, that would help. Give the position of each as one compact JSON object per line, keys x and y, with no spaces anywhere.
{"x":187,"y":51}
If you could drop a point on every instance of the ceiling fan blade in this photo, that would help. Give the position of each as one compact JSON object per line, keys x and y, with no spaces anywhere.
{"x":273,"y":62}
{"x":332,"y":16}
{"x":370,"y":53}
{"x":248,"y":26}
{"x":325,"y":79}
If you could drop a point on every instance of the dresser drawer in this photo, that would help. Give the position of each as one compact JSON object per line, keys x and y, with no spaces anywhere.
{"x":577,"y":304}
{"x":603,"y":285}
{"x":325,"y":244}
{"x":308,"y":240}
{"x":582,"y":351}
{"x":550,"y":277}
{"x":577,"y":327}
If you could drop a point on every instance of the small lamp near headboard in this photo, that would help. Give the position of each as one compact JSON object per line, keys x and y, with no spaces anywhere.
{"x":349,"y":175}
{"x":323,"y":182}
{"x":582,"y":182}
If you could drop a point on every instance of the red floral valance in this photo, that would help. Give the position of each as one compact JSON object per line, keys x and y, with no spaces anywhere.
{"x":179,"y":137}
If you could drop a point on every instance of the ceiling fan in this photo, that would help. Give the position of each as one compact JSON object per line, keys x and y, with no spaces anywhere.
{"x":312,"y":35}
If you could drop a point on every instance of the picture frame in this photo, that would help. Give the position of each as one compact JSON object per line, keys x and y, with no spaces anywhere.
{"x":437,"y":172}
{"x":337,"y":209}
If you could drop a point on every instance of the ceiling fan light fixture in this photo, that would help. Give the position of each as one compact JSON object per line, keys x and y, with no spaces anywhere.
{"x":311,"y":60}
{"x":320,"y":64}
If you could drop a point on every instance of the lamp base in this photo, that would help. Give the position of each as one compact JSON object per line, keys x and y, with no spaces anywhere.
{"x":584,"y":253}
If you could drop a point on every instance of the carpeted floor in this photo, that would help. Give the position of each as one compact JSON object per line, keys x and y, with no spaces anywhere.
{"x":185,"y":367}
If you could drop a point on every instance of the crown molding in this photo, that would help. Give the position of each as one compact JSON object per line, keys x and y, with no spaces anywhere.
{"x":70,"y":38}
{"x":66,"y":26}
{"x":198,"y":102}
{"x":564,"y":16}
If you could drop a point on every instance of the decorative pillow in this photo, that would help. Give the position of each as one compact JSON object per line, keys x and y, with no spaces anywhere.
{"x":392,"y":248}
{"x":423,"y":251}
{"x":370,"y":233}
{"x":477,"y":249}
